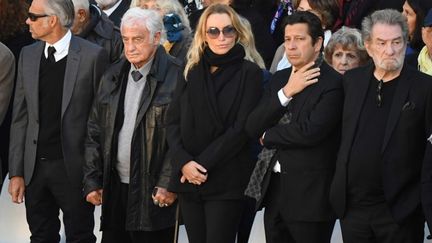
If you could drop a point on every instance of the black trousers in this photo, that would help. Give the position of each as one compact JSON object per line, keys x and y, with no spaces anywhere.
{"x":279,"y":228}
{"x":210,"y":221}
{"x":116,"y":232}
{"x":48,"y":192}
{"x":375,"y":224}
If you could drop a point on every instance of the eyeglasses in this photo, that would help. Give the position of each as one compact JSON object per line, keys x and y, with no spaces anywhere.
{"x":33,"y":17}
{"x":379,"y":97}
{"x":228,"y":31}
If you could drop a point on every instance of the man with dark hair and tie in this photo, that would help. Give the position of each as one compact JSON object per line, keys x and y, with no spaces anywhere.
{"x":127,"y":168}
{"x":57,"y":79}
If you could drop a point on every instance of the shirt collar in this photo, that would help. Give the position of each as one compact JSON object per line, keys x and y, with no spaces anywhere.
{"x":61,"y":46}
{"x":144,"y":70}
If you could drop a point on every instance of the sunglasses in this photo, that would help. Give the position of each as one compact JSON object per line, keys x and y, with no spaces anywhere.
{"x":228,"y":31}
{"x":33,"y":17}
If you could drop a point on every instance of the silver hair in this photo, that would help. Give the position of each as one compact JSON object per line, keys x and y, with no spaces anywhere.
{"x":63,"y":9}
{"x":150,"y":19}
{"x":385,"y":16}
{"x":347,"y":38}
{"x":81,"y":4}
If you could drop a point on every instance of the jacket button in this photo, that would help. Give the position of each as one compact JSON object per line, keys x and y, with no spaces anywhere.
{"x":34,"y":141}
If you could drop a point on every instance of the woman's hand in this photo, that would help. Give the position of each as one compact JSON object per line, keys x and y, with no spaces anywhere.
{"x":193,"y":173}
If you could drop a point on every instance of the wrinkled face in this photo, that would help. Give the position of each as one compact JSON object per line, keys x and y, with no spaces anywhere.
{"x":427,"y":37}
{"x":344,"y":59}
{"x":386,"y":47}
{"x":298,"y":45}
{"x":39,"y":28}
{"x":411,"y":16}
{"x":226,"y":39}
{"x":139,"y":47}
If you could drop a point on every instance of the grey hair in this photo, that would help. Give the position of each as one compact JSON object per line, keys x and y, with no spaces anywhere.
{"x":81,"y":4}
{"x":385,"y":16}
{"x":63,"y":9}
{"x":150,"y":19}
{"x":347,"y":38}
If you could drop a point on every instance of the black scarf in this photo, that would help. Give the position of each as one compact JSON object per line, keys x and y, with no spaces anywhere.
{"x":213,"y":98}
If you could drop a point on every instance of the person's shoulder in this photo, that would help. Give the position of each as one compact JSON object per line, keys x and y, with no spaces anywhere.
{"x":87,"y":46}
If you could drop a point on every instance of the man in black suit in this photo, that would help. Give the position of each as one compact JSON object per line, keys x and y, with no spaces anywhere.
{"x":299,"y":116}
{"x":57,"y":79}
{"x":387,"y":115}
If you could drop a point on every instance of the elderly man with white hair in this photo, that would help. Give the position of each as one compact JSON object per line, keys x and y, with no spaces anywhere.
{"x":127,"y":168}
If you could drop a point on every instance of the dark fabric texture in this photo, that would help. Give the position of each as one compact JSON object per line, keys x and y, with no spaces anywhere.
{"x":51,"y":78}
{"x":405,"y":172}
{"x":206,"y":124}
{"x":49,"y":192}
{"x":150,"y":164}
{"x":306,"y":147}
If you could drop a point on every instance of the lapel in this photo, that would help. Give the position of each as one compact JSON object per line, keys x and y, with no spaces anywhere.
{"x":71,"y":72}
{"x":399,"y":98}
{"x":119,"y":79}
{"x":357,"y":96}
{"x":32,"y":75}
{"x":155,"y":75}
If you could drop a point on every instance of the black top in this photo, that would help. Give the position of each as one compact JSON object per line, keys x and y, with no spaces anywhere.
{"x":365,"y":163}
{"x":51,"y":78}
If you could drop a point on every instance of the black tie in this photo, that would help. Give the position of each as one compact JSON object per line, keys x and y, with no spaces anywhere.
{"x":51,"y":51}
{"x":136,"y":75}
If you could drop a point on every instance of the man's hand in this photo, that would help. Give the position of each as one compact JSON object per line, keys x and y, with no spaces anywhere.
{"x":16,"y":189}
{"x":194,"y":173}
{"x":95,"y":197}
{"x":300,"y":79}
{"x":163,"y":197}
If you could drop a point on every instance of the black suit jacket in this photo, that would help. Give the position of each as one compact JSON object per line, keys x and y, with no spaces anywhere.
{"x":306,"y":147}
{"x":404,"y":142}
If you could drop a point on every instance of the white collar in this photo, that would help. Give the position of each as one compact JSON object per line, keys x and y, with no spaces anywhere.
{"x":61,"y":46}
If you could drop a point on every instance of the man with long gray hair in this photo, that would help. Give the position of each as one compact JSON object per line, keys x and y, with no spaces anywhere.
{"x":376,"y":190}
{"x":57,"y":79}
{"x":127,"y":168}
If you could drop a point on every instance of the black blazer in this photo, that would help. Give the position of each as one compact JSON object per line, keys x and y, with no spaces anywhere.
{"x":306,"y":147}
{"x":403,"y":148}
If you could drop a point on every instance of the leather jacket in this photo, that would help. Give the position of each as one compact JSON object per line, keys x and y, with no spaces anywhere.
{"x":149,"y":166}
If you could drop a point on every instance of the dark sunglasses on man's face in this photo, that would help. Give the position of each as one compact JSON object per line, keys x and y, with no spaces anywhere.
{"x":33,"y":17}
{"x":228,"y":31}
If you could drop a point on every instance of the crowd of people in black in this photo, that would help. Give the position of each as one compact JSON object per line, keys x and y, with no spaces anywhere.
{"x":168,"y":112}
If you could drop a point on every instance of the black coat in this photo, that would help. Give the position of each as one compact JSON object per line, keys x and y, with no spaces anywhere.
{"x":150,"y":166}
{"x":404,"y":142}
{"x":227,"y":158}
{"x":307,"y":146}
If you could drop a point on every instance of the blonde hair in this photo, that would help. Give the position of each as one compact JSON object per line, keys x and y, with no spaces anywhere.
{"x":244,"y":37}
